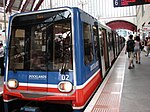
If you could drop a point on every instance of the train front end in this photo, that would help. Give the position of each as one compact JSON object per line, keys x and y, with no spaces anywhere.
{"x":40,"y":57}
{"x":44,"y":59}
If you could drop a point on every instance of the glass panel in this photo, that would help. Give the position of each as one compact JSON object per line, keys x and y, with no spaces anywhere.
{"x":43,"y":43}
{"x":88,"y":47}
{"x":38,"y":47}
{"x":95,"y":35}
{"x":61,"y":47}
{"x":17,"y":49}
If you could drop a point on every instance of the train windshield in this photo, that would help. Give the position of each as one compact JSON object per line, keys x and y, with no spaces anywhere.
{"x":41,"y":41}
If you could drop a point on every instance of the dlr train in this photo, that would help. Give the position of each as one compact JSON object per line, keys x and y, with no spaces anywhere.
{"x":58,"y":55}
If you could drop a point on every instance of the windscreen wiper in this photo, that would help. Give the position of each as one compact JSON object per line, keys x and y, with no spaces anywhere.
{"x":14,"y":70}
{"x":63,"y":69}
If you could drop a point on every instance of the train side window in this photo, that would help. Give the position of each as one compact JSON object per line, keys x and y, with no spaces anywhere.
{"x":88,"y":46}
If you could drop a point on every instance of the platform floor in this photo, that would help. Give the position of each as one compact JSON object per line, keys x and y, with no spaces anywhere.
{"x":124,"y":90}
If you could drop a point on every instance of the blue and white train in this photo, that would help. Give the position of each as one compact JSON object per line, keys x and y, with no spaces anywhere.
{"x":58,"y":55}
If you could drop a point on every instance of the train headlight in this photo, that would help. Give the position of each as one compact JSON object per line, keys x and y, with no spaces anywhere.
{"x":12,"y":83}
{"x":65,"y":86}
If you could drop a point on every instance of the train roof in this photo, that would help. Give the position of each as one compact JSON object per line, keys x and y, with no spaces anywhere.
{"x":67,"y":7}
{"x":51,"y":9}
{"x":104,"y":25}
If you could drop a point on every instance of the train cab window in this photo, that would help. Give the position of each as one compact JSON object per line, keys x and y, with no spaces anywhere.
{"x":62,"y":46}
{"x":38,"y":47}
{"x":41,"y":44}
{"x":88,"y":47}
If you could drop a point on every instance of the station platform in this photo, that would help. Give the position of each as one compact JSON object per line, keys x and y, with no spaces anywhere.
{"x":124,"y":90}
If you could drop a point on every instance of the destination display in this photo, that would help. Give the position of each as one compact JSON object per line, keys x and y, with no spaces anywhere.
{"x":122,"y":3}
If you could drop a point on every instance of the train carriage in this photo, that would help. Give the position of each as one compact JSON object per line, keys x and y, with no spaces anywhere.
{"x":55,"y":56}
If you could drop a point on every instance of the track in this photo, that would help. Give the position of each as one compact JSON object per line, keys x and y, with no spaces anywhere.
{"x":43,"y":107}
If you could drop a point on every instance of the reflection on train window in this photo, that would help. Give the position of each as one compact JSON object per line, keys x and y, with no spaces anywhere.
{"x":101,"y":41}
{"x":38,"y":47}
{"x":88,"y":48}
{"x":62,"y":46}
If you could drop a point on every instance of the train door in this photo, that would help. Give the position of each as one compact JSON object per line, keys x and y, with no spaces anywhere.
{"x":97,"y":46}
{"x":113,"y":42}
{"x":110,"y":48}
{"x":115,"y":45}
{"x":101,"y":53}
{"x":117,"y":40}
{"x":104,"y":51}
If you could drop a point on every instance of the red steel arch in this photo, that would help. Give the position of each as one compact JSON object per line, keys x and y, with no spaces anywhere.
{"x":121,"y":24}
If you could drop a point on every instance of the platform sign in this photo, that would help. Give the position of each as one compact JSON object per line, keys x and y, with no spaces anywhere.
{"x":122,"y":3}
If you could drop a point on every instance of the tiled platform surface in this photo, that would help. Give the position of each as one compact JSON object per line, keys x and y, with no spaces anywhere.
{"x":136,"y":89}
{"x":124,"y":90}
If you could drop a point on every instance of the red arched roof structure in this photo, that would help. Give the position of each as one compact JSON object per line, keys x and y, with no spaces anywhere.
{"x":121,"y":24}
